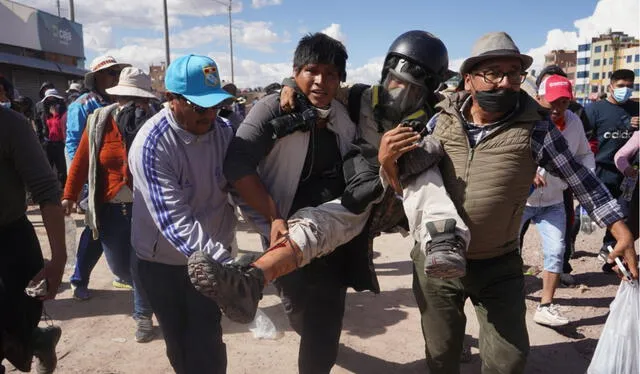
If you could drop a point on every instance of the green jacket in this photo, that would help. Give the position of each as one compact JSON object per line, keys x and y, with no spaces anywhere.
{"x":490,"y":182}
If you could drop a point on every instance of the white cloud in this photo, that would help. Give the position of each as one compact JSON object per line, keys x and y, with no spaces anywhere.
{"x":98,"y":36}
{"x":262,"y":3}
{"x":249,"y":73}
{"x":368,"y":73}
{"x":138,"y":56}
{"x":136,"y":14}
{"x":615,"y":15}
{"x":257,"y":35}
{"x":253,"y":35}
{"x":455,"y":64}
{"x":334,"y":31}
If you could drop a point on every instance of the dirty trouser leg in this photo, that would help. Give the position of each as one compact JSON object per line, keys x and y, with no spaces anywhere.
{"x":317,"y":231}
{"x":425,"y":199}
{"x":441,"y":304}
{"x":496,"y":288}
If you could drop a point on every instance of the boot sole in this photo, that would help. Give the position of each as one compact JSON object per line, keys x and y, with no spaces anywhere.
{"x":204,"y":275}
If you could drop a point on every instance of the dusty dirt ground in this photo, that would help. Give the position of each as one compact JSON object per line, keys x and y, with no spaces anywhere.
{"x":381,"y":332}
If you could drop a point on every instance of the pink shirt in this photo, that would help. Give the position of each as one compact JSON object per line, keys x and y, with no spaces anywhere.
{"x":627,"y":152}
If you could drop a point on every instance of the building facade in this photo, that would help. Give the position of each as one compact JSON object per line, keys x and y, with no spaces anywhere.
{"x":596,"y":61}
{"x":629,"y":58}
{"x":157,"y":72}
{"x":36,"y":46}
{"x":565,"y":59}
{"x":583,"y":63}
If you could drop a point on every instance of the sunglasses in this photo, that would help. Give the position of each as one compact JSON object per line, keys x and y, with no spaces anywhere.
{"x":112,"y":72}
{"x":197,"y":108}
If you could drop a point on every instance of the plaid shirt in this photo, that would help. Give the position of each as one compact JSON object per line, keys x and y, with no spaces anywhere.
{"x":551,"y":152}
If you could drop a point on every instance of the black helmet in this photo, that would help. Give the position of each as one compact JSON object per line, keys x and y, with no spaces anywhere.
{"x":423,"y":49}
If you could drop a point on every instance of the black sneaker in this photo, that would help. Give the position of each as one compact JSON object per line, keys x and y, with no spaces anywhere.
{"x":236,"y":289}
{"x":45,"y":341}
{"x":445,"y":252}
{"x":567,"y":280}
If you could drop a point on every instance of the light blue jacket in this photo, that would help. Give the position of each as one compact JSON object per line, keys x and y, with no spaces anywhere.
{"x":77,"y":114}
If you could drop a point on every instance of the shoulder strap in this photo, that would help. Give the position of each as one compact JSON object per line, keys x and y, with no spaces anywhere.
{"x":354,"y":101}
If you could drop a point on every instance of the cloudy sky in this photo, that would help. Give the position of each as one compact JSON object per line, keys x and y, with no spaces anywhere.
{"x":265,"y":32}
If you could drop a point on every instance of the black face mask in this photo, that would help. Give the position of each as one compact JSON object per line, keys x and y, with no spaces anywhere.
{"x":497,"y":101}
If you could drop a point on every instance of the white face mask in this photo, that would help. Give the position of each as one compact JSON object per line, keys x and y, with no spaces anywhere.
{"x":323,"y":113}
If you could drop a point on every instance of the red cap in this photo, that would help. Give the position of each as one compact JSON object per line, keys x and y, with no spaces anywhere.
{"x":556,"y":87}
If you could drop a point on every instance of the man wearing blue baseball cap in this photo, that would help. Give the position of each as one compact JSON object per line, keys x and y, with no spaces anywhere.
{"x":180,"y":205}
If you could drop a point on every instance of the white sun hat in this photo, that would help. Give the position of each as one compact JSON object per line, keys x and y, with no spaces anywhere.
{"x":132,"y":82}
{"x":101,"y":63}
{"x":52,"y":92}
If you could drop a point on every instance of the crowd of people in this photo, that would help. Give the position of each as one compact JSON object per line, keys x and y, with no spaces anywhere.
{"x":319,"y":169}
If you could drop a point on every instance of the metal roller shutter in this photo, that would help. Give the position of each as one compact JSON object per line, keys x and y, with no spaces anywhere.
{"x":27,"y":82}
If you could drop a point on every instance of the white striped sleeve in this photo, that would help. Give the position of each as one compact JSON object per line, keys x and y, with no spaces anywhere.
{"x":158,"y":183}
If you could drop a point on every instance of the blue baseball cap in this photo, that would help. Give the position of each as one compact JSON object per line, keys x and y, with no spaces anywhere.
{"x":197,"y":79}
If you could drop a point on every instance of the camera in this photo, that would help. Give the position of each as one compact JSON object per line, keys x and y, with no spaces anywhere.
{"x":303,"y":120}
{"x":418,"y":126}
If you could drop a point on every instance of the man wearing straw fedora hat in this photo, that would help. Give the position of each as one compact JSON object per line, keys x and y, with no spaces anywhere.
{"x":101,"y":160}
{"x":494,"y":136}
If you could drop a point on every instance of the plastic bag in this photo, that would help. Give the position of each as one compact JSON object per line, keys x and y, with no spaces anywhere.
{"x":618,"y":350}
{"x":263,"y":328}
{"x":70,"y":241}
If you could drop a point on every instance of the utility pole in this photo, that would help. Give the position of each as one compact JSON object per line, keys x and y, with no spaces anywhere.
{"x":166,"y":33}
{"x":72,"y":11}
{"x":230,"y":34}
{"x":58,"y":6}
{"x":231,"y":43}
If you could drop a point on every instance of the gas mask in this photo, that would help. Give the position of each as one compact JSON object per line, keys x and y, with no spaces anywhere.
{"x":403,"y":94}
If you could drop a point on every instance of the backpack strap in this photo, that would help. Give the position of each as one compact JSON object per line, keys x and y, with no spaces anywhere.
{"x":354,"y":101}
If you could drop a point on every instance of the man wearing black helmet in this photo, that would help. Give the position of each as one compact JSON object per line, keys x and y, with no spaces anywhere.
{"x":416,"y":64}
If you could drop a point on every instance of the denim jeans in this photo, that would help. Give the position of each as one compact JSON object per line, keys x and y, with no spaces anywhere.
{"x":115,"y":235}
{"x":551,"y":224}
{"x":190,"y":321}
{"x":87,"y":256}
{"x":115,"y":238}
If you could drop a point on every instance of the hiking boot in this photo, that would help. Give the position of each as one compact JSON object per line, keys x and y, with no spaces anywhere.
{"x":567,"y":280}
{"x":119,"y":283}
{"x":144,"y":330}
{"x":549,"y":315}
{"x":44,"y":348}
{"x":236,"y":289}
{"x":80,"y":292}
{"x":445,"y":251}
